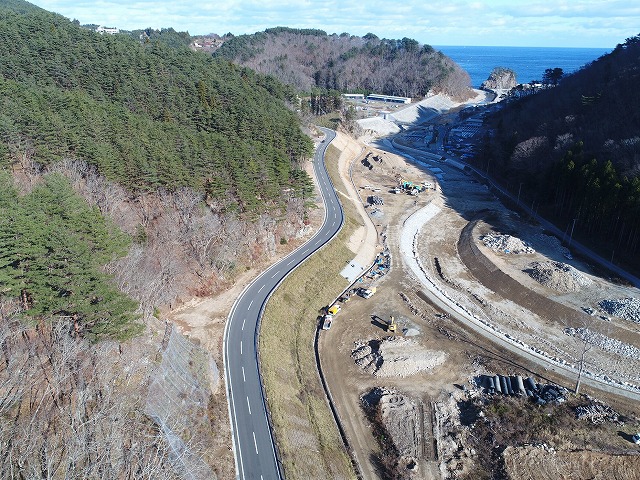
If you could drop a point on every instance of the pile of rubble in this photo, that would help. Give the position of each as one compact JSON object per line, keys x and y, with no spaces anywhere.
{"x":606,"y":343}
{"x":627,"y":308}
{"x":597,"y":413}
{"x":499,"y":242}
{"x":395,"y":357}
{"x":557,"y":275}
{"x":375,"y":200}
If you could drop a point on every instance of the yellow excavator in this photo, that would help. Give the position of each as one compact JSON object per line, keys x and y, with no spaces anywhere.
{"x":391,"y":326}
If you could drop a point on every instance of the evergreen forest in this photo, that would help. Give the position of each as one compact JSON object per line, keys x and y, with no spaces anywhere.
{"x":572,"y":152}
{"x":52,"y":248}
{"x":146,"y":112}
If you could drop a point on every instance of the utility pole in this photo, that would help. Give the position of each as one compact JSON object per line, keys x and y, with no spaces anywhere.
{"x":572,"y":227}
{"x":519,"y":189}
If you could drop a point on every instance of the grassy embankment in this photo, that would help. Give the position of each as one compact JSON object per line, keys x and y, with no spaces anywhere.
{"x":307,"y":436}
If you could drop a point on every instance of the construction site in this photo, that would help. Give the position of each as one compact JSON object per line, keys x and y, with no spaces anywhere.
{"x":456,"y":352}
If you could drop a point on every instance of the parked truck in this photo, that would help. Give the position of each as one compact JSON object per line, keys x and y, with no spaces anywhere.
{"x":367,"y":292}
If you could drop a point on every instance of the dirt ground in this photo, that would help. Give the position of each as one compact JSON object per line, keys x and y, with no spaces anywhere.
{"x":489,"y":284}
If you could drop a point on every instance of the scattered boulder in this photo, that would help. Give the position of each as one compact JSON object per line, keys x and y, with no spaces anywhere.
{"x":395,"y":357}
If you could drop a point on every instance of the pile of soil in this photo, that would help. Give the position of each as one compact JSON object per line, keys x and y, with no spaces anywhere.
{"x":557,"y":275}
{"x":395,"y":357}
{"x":499,"y":242}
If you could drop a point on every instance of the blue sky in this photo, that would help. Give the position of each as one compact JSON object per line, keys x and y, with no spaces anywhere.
{"x":562,"y":23}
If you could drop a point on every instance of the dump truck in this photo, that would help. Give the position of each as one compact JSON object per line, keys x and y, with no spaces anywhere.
{"x":333,"y":309}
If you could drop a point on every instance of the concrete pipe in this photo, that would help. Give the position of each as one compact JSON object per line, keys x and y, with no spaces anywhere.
{"x":503,"y":383}
{"x":530,"y":384}
{"x":509,"y":386}
{"x":520,"y":384}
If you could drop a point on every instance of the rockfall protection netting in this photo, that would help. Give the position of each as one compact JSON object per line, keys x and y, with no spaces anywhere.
{"x":178,"y":397}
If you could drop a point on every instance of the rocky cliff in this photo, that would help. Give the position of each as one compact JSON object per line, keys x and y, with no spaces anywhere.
{"x":500,"y":79}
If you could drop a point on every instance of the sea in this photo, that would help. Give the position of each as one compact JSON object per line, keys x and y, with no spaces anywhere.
{"x":529,"y":63}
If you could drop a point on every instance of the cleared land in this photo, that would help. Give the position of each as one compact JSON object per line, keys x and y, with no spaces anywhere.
{"x":540,"y":296}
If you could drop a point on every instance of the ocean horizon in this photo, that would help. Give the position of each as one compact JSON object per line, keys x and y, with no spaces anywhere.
{"x":528,"y":63}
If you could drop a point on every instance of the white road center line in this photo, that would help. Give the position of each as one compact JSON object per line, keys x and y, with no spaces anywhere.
{"x":249,"y":407}
{"x":243,"y":320}
{"x":274,"y":275}
{"x":261,"y":288}
{"x":244,"y":379}
{"x":250,"y":304}
{"x":255,"y":443}
{"x":240,"y":347}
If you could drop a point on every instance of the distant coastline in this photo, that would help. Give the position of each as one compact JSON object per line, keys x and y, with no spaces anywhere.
{"x":528,"y":63}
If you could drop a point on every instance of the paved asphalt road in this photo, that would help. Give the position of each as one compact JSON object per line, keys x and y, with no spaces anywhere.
{"x":253,"y":444}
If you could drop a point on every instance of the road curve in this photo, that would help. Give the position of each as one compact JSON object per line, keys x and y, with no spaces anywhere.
{"x":253,"y":443}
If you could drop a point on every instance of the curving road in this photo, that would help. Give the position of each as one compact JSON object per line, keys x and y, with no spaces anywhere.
{"x":253,"y":443}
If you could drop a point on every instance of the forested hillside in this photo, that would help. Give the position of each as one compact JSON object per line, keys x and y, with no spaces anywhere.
{"x":575,"y":151}
{"x":309,"y":59}
{"x":135,"y":175}
{"x":146,"y":114}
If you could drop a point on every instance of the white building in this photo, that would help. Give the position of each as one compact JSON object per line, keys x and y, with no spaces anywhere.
{"x":107,"y":30}
{"x":389,"y":98}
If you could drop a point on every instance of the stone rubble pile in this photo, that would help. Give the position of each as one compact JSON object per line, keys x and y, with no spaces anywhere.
{"x":597,"y":413}
{"x":606,"y":343}
{"x":499,"y":242}
{"x":557,"y":275}
{"x":627,"y":308}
